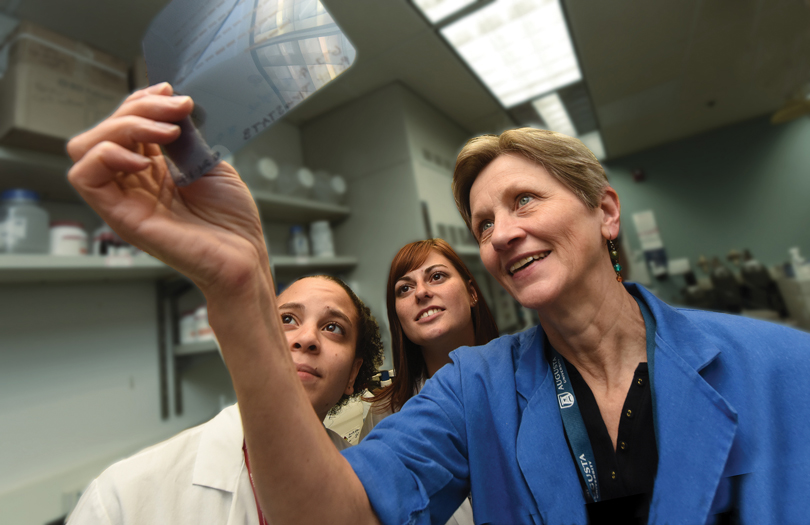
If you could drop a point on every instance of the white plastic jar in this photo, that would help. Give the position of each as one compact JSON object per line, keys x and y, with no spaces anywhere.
{"x":267,"y":173}
{"x":329,"y":188}
{"x":204,"y":332}
{"x":188,"y":327}
{"x":321,"y":236}
{"x":68,"y":238}
{"x":23,"y":224}
{"x":295,"y":181}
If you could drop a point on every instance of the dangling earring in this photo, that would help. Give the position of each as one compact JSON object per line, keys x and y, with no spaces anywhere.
{"x":614,"y":258}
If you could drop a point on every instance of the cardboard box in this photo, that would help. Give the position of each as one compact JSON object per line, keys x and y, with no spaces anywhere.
{"x":55,"y":88}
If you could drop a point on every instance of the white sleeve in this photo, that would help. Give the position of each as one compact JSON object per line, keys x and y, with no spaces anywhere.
{"x":374,"y":416}
{"x":90,"y":509}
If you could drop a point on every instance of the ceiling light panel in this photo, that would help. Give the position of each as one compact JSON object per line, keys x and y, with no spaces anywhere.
{"x":551,"y":109}
{"x":437,"y":10}
{"x":519,"y":48}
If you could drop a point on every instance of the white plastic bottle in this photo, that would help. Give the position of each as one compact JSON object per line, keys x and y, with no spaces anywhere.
{"x":299,"y":244}
{"x":25,"y":226}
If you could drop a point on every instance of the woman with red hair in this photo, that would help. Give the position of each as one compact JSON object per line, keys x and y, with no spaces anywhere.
{"x":434,"y":306}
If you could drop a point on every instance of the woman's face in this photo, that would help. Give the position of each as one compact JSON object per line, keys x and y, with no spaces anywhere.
{"x":433,"y":304}
{"x":320,"y":322}
{"x":536,"y":237}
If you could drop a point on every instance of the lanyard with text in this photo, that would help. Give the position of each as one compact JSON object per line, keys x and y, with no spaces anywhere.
{"x":262,"y":519}
{"x":571,"y":416}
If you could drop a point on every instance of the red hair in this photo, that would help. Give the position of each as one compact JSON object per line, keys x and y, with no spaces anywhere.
{"x":408,"y":360}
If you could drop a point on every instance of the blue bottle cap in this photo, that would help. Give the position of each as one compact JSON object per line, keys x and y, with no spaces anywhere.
{"x":19,"y":194}
{"x":384,"y":376}
{"x":296,"y":229}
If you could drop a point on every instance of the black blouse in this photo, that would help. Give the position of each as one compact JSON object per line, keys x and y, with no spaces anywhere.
{"x":627,"y":475}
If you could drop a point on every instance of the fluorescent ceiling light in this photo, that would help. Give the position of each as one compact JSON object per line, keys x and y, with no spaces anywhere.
{"x":436,"y":10}
{"x":593,"y":140}
{"x":553,"y":112}
{"x":519,"y":48}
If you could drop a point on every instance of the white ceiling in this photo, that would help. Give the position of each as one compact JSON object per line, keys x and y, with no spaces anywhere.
{"x":656,"y":71}
{"x":664,"y":70}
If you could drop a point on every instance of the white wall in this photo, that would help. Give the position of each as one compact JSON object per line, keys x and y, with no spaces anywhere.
{"x":366,"y":141}
{"x":79,"y":389}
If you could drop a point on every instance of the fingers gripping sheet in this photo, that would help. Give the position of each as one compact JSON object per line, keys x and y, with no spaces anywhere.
{"x":245,"y":63}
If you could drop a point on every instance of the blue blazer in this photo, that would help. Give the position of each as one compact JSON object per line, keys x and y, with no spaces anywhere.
{"x":732,"y":417}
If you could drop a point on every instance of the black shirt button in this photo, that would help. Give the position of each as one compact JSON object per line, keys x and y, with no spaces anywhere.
{"x":622,"y":445}
{"x":612,"y":474}
{"x":629,"y":413}
{"x":640,"y":381}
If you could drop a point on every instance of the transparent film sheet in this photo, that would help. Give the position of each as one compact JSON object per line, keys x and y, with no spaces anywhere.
{"x":245,"y":63}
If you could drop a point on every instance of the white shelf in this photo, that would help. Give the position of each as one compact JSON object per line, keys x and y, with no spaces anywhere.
{"x":50,"y":268}
{"x":282,"y":208}
{"x":287,"y":265}
{"x":196,"y":348}
{"x":45,"y":173}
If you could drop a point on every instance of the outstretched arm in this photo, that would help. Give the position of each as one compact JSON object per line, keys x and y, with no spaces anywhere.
{"x":211,"y":232}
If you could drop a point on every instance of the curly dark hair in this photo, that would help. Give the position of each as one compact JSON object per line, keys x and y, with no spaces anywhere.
{"x":369,"y":344}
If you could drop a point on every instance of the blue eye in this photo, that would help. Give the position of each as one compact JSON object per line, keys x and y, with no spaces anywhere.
{"x":524,"y":200}
{"x":485,"y":225}
{"x":334,"y":328}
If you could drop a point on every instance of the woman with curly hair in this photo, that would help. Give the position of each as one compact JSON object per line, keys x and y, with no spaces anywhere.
{"x":202,"y":475}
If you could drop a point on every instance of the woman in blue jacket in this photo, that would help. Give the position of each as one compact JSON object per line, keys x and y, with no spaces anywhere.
{"x":615,"y":407}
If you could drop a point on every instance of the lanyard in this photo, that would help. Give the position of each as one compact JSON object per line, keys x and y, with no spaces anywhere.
{"x":572,"y":417}
{"x":262,"y":519}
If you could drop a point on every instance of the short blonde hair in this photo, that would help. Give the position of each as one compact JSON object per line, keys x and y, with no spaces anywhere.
{"x":564,"y":157}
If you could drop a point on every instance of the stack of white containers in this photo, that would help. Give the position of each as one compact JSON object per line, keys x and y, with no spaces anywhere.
{"x":263,"y":174}
{"x":194,"y":326}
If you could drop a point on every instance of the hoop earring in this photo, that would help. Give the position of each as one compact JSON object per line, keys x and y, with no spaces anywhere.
{"x":614,"y":258}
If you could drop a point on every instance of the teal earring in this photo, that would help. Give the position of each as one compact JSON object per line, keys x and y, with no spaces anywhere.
{"x":614,"y":258}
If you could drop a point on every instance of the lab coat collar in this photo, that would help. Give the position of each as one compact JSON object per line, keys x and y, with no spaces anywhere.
{"x":219,"y":455}
{"x":695,"y":426}
{"x":693,"y":345}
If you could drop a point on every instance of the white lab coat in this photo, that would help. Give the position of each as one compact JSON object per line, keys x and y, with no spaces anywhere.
{"x":196,"y":477}
{"x":463,"y":515}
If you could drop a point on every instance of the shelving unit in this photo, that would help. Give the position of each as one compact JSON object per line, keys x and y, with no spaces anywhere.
{"x":282,"y":208}
{"x":286,"y":265}
{"x":196,"y":348}
{"x":45,"y":173}
{"x":50,"y":268}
